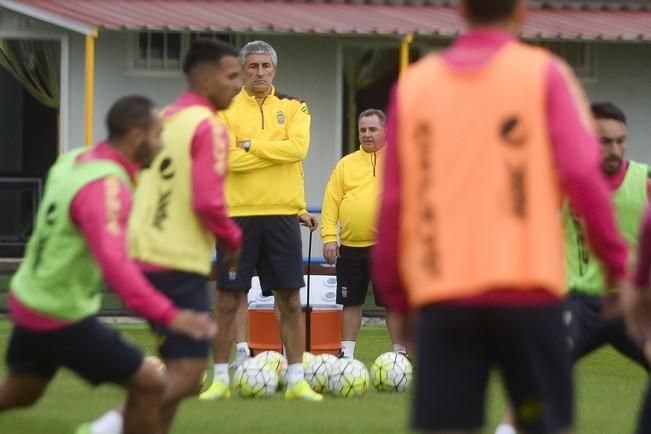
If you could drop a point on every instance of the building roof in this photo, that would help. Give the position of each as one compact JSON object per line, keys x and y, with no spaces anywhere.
{"x":548,"y":19}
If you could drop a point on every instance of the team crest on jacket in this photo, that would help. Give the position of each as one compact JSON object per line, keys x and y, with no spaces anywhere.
{"x":280,"y":117}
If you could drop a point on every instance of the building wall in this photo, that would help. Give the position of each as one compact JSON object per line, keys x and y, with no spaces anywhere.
{"x":310,"y":68}
{"x":623,"y":73}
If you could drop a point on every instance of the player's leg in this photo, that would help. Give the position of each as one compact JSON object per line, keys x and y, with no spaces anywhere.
{"x":242,"y":350}
{"x":584,"y":334}
{"x":108,"y":358}
{"x":281,"y":268}
{"x":30,"y":370}
{"x":585,"y":326}
{"x":229,"y":299}
{"x":352,"y":287}
{"x":451,"y":369}
{"x":620,"y":340}
{"x":21,"y":390}
{"x":185,"y":358}
{"x":141,"y":412}
{"x":536,"y":366}
{"x":183,"y":381}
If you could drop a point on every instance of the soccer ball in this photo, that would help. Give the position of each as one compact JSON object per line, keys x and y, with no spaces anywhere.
{"x":316,"y":373}
{"x":391,"y":372}
{"x":329,"y":358}
{"x":275,"y":361}
{"x":156,"y":362}
{"x":348,"y":378}
{"x":307,"y":359}
{"x":253,"y":380}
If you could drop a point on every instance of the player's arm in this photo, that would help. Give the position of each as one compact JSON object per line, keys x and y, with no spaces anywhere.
{"x":576,"y":152}
{"x":101,"y":210}
{"x":332,"y":198}
{"x":294,"y":148}
{"x":209,"y":161}
{"x":238,"y":159}
{"x":385,"y":270}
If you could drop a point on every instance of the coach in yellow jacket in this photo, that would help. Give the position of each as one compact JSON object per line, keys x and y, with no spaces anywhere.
{"x":351,"y":199}
{"x":270,"y":136}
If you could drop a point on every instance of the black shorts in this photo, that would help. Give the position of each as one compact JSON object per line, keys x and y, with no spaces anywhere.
{"x":187,"y":291}
{"x":353,"y":276}
{"x":588,"y":330}
{"x":271,"y":246}
{"x":456,"y":348}
{"x":94,"y":351}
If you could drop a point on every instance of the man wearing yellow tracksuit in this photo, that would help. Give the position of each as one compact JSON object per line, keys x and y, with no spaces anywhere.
{"x":270,"y":135}
{"x":351,"y":198}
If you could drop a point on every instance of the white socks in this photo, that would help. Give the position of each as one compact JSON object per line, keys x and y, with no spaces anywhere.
{"x":397,"y":348}
{"x":110,"y":423}
{"x":505,"y":428}
{"x":221,"y":373}
{"x":243,"y":347}
{"x":348,"y":348}
{"x":295,"y":373}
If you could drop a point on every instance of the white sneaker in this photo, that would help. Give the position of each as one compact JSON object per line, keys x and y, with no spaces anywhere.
{"x":240,"y":357}
{"x":505,"y":428}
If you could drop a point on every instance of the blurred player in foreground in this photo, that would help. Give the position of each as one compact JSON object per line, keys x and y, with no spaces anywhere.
{"x":480,"y":138}
{"x":80,"y":237}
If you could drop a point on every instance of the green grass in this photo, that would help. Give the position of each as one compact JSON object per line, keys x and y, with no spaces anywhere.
{"x":608,"y":394}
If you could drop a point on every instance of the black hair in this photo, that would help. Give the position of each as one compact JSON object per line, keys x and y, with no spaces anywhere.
{"x":206,"y":51}
{"x":490,"y":11}
{"x":127,"y":113}
{"x":608,"y":110}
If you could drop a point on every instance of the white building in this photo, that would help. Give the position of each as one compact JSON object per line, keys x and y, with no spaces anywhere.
{"x":340,"y":56}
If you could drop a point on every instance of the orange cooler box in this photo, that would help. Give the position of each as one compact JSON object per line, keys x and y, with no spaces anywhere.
{"x":264,"y":332}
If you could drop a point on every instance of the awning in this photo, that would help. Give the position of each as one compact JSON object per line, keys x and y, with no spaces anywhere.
{"x":308,"y":17}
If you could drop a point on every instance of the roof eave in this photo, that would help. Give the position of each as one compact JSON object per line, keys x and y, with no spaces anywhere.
{"x":48,"y":17}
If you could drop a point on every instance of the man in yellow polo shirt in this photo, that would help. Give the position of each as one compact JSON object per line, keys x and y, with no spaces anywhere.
{"x":351,"y":198}
{"x":265,"y":195}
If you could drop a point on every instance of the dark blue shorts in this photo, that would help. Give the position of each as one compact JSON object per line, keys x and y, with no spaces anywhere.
{"x":589,"y":331}
{"x":458,"y":346}
{"x":354,"y":276}
{"x":271,"y":246}
{"x":187,"y":291}
{"x":93,"y":350}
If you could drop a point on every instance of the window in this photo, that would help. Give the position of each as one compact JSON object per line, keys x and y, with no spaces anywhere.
{"x":158,"y":51}
{"x":164,"y":51}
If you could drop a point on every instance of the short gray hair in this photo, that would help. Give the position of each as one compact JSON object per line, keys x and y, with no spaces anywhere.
{"x":258,"y":47}
{"x":373,"y":112}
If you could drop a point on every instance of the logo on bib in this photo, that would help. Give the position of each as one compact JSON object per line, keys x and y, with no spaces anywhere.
{"x":280,"y":117}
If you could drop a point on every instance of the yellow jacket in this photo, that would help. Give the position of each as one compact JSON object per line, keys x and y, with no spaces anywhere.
{"x":352,"y":198}
{"x":268,"y":179}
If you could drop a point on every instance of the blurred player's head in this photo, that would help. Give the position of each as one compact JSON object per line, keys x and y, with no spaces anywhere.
{"x":213,"y":72}
{"x":134,"y":126}
{"x":610,"y":121}
{"x":370,"y":127}
{"x":259,"y":62}
{"x":508,"y":15}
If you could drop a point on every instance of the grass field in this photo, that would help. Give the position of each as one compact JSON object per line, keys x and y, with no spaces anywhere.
{"x":609,"y":389}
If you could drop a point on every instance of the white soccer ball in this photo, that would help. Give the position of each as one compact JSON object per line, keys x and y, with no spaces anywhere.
{"x":254,"y":380}
{"x":307,"y":359}
{"x":391,"y":372}
{"x":348,"y":378}
{"x":275,"y":361}
{"x":316,"y":373}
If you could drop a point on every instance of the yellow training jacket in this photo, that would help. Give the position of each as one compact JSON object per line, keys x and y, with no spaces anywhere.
{"x":268,"y":179}
{"x":352,"y":197}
